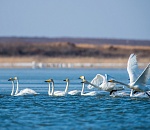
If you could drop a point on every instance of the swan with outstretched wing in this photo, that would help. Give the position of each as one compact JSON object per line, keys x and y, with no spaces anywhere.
{"x":136,"y":84}
{"x":101,"y":82}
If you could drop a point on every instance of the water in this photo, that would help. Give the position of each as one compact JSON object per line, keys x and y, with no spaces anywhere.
{"x":70,"y":112}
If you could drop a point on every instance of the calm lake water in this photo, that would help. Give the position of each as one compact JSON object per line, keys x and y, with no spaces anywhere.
{"x":70,"y":112}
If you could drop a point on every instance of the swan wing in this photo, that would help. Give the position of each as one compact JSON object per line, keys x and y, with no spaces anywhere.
{"x":108,"y":85}
{"x":59,"y":93}
{"x":26,"y":91}
{"x":93,"y":93}
{"x":74,"y":92}
{"x":143,"y":78}
{"x":140,"y":95}
{"x":132,"y":68}
{"x":97,"y":80}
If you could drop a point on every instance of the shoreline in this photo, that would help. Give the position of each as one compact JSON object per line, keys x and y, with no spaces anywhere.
{"x":69,"y":62}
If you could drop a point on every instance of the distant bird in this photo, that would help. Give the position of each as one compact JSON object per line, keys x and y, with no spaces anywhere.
{"x":136,"y":84}
{"x":73,"y":92}
{"x":56,"y":93}
{"x":26,"y":91}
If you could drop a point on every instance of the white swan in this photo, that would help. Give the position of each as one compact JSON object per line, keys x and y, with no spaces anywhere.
{"x":73,"y":92}
{"x":101,"y":82}
{"x":93,"y":93}
{"x":56,"y":93}
{"x":26,"y":91}
{"x":13,"y":86}
{"x":136,"y":84}
{"x":138,"y":94}
{"x":132,"y":68}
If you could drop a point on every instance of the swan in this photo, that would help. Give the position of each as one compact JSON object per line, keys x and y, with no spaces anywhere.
{"x":137,"y":83}
{"x":26,"y":91}
{"x":73,"y":92}
{"x":56,"y":93}
{"x":101,"y":82}
{"x":93,"y":93}
{"x":13,"y":86}
{"x":139,"y":94}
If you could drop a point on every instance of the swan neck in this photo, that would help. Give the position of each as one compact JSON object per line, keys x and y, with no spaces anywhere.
{"x":49,"y":89}
{"x":66,"y":89}
{"x":123,"y":84}
{"x":52,"y":93}
{"x":83,"y":85}
{"x":17,"y":89}
{"x":13,"y":87}
{"x":93,"y":85}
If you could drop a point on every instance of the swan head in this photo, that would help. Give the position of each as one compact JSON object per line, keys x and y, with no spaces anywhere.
{"x":11,"y":79}
{"x":112,"y":81}
{"x":82,"y":77}
{"x":15,"y":78}
{"x":49,"y":80}
{"x":85,"y":81}
{"x":67,"y":80}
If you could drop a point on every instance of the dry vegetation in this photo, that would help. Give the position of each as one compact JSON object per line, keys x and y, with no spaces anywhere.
{"x":24,"y":51}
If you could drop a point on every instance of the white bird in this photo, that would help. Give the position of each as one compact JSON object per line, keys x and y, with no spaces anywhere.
{"x":13,"y":86}
{"x":56,"y":93}
{"x":26,"y":91}
{"x":101,"y":82}
{"x":132,"y":68}
{"x":137,"y":84}
{"x":93,"y":93}
{"x":73,"y":92}
{"x":138,"y":94}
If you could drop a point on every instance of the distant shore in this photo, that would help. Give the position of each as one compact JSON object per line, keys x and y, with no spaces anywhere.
{"x":69,"y":62}
{"x":23,"y":52}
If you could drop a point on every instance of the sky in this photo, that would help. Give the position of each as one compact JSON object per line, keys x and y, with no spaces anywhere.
{"x":121,"y":19}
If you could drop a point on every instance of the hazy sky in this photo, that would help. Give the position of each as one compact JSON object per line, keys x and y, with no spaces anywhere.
{"x":76,"y":18}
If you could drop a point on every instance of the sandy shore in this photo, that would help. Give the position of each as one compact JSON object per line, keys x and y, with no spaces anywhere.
{"x":67,"y":60}
{"x":61,"y":62}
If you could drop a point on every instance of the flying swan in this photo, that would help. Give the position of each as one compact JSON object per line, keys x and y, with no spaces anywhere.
{"x":137,"y":83}
{"x":26,"y":91}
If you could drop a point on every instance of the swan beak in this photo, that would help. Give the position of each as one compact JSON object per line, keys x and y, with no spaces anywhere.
{"x":67,"y":80}
{"x":110,"y":80}
{"x":83,"y":81}
{"x":11,"y":79}
{"x":48,"y":81}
